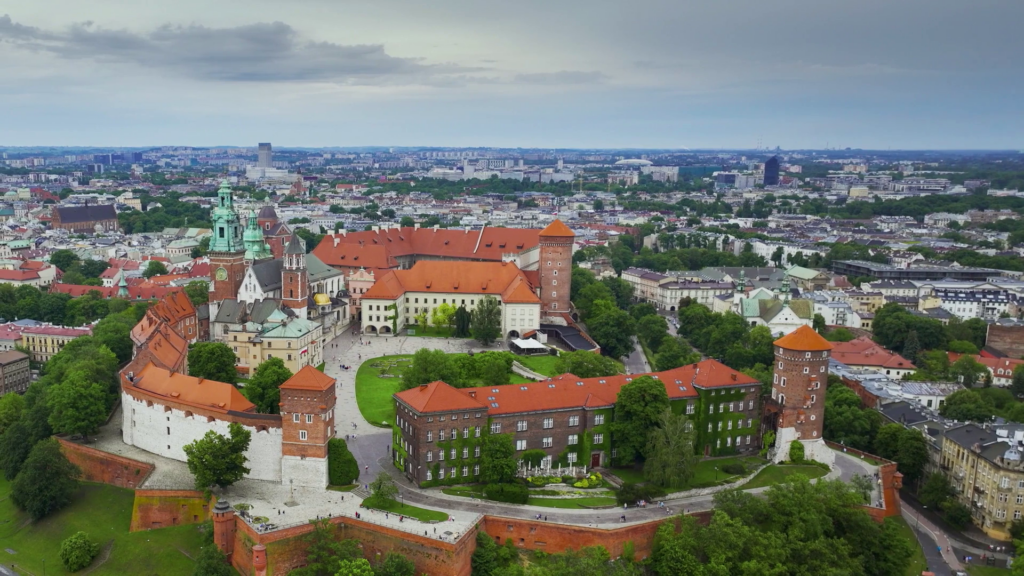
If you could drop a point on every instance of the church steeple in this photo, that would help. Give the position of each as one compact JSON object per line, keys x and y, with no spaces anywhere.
{"x":122,"y":286}
{"x":255,"y":246}
{"x":227,"y":251}
{"x":227,"y":233}
{"x":294,"y":277}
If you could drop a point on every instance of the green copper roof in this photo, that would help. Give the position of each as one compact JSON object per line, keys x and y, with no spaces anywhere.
{"x":227,"y":232}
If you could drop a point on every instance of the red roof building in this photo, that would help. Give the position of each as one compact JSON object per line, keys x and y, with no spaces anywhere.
{"x":865,"y":353}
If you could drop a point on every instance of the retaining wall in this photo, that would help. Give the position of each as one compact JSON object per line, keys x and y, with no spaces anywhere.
{"x":106,"y":468}
{"x":162,"y":508}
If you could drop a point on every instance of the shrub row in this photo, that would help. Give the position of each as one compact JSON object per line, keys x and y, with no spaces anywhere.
{"x":509,"y":493}
{"x":342,"y":468}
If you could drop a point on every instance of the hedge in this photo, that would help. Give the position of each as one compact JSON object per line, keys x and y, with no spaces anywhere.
{"x":510,"y":493}
{"x":342,"y":468}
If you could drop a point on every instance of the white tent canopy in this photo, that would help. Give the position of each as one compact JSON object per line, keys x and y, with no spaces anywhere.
{"x":528,"y":344}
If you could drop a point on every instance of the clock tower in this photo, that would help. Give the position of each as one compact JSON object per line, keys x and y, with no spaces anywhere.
{"x":227,"y":252}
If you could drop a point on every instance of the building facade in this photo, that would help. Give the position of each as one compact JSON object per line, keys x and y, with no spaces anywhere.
{"x":15,"y":375}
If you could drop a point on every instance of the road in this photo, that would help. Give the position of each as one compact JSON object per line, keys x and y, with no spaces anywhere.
{"x":636,"y":362}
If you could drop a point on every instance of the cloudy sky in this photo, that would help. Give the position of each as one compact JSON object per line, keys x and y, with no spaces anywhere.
{"x":545,"y":73}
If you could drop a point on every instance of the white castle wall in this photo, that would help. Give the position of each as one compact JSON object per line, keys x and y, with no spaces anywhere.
{"x":814,"y":449}
{"x":165,"y":432}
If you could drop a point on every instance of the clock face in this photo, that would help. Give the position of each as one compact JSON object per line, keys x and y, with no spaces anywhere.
{"x":222,"y":274}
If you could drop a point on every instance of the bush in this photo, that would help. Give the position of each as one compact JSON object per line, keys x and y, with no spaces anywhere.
{"x":796,"y":451}
{"x":734,"y":468}
{"x":508,"y":493}
{"x":78,"y":551}
{"x":592,"y":481}
{"x":342,"y":468}
{"x":629,"y":493}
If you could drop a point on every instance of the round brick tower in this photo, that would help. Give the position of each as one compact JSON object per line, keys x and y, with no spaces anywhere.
{"x":798,"y":390}
{"x":555,"y":268}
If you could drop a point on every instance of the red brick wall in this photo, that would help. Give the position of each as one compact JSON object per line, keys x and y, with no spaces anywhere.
{"x":1007,"y":339}
{"x":162,"y":508}
{"x":867,"y":399}
{"x":235,"y":267}
{"x":557,"y":251}
{"x":804,"y":408}
{"x":286,"y":549}
{"x":892,"y":481}
{"x":302,"y":402}
{"x":106,"y":468}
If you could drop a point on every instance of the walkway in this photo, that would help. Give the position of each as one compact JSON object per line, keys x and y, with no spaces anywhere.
{"x":636,"y":362}
{"x":937,"y":537}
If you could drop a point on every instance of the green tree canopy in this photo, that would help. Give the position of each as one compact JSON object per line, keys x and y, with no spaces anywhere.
{"x":671,"y":458}
{"x":613,"y":331}
{"x":46,"y":481}
{"x":154,"y":268}
{"x":638,"y":409}
{"x":653,"y":330}
{"x":264,"y":388}
{"x":216,"y":460}
{"x":586,"y":364}
{"x":965,"y":405}
{"x":77,"y":405}
{"x":430,"y":366}
{"x":486,"y":320}
{"x":497,"y":459}
{"x":213,"y":361}
{"x":198,"y":292}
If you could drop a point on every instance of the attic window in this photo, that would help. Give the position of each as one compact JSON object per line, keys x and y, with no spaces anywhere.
{"x":342,"y":257}
{"x":400,"y":237}
{"x":679,"y":381}
{"x":519,"y":246}
{"x":580,"y":383}
{"x":683,"y":388}
{"x":446,"y":242}
{"x":522,"y":388}
{"x":355,"y":257}
{"x":551,"y":385}
{"x":655,"y":376}
{"x":494,"y":404}
{"x":629,"y":379}
{"x":490,"y":397}
{"x":502,"y":245}
{"x":600,"y":381}
{"x":494,"y":390}
{"x":488,"y":244}
{"x":374,"y":240}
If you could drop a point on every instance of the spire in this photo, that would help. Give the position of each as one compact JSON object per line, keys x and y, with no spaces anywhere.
{"x":256,"y":247}
{"x":226,"y":228}
{"x":785,"y":290}
{"x":122,"y":290}
{"x":295,"y":245}
{"x":741,"y":284}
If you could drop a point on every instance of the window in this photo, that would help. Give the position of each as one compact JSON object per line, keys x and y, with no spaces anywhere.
{"x":520,"y":444}
{"x":598,"y":419}
{"x":440,"y":455}
{"x":440,"y":435}
{"x":748,"y":440}
{"x":731,"y":406}
{"x":465,"y":471}
{"x":750,"y":405}
{"x":465,"y":452}
{"x":476,"y":452}
{"x":430,"y":456}
{"x":549,"y":423}
{"x":521,"y":426}
{"x":455,"y":433}
{"x":295,"y":417}
{"x":806,"y":370}
{"x":302,"y":434}
{"x":309,"y":418}
{"x":495,"y":427}
{"x":430,"y":475}
{"x":780,"y":365}
{"x":476,"y":432}
{"x":749,"y":422}
{"x":465,"y":432}
{"x":572,"y":457}
{"x":440,"y":474}
{"x":430,"y":436}
{"x":573,"y":439}
{"x":476,"y":470}
{"x":711,"y":409}
{"x":1016,"y":514}
{"x":718,"y":443}
{"x":728,"y":441}
{"x":452,"y":454}
{"x":775,"y":378}
{"x":598,"y":438}
{"x":730,"y":425}
{"x":574,"y":420}
{"x":453,"y":470}
{"x":442,"y":418}
{"x":689,"y":407}
{"x":719,"y":426}
{"x":709,"y":427}
{"x":783,"y":381}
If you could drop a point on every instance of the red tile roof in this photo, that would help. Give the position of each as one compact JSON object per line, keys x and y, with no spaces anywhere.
{"x":865,"y":352}
{"x":18,"y":275}
{"x":1007,"y":365}
{"x":56,"y":331}
{"x":804,"y":339}
{"x":309,"y":378}
{"x":199,"y":392}
{"x":558,"y":230}
{"x":142,"y":290}
{"x":568,"y":391}
{"x":503,"y":279}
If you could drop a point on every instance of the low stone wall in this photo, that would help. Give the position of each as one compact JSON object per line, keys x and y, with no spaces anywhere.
{"x":106,"y":468}
{"x":162,"y":508}
{"x":286,"y":549}
{"x":891,"y":481}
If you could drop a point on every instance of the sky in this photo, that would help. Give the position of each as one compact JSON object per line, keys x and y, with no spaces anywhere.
{"x":909,"y":74}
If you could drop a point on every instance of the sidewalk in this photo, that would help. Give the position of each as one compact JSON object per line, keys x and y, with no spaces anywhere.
{"x":923,"y":524}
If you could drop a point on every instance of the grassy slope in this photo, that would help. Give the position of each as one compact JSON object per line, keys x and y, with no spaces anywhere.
{"x":103,"y":512}
{"x":704,"y":475}
{"x":776,"y":474}
{"x":917,"y":561}
{"x":409,"y":510}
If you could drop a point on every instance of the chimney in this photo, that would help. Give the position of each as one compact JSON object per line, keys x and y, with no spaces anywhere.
{"x":472,"y":394}
{"x":336,"y":240}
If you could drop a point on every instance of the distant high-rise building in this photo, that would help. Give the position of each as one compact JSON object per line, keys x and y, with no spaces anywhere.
{"x":771,"y":171}
{"x":266,"y":156}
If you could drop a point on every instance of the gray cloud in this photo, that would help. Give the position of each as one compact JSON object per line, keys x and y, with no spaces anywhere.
{"x":263,"y":52}
{"x":561,"y":78}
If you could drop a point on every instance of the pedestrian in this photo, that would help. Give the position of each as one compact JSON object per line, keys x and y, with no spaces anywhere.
{"x":545,"y":518}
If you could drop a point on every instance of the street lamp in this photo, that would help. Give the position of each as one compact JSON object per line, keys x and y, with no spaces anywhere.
{"x":716,"y":473}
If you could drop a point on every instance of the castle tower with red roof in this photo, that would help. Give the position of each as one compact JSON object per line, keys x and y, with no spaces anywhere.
{"x":294,"y":277}
{"x":555,"y":268}
{"x":307,"y":424}
{"x":798,"y":393}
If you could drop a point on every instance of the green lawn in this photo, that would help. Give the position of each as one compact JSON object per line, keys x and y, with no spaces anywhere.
{"x":473,"y":491}
{"x":986,"y":571}
{"x":588,"y":501}
{"x":704,"y":475}
{"x":431,"y":332}
{"x":347,"y":488}
{"x":105,"y":513}
{"x":917,"y":561}
{"x":630,"y":475}
{"x":540,"y":364}
{"x":409,"y":510}
{"x":776,"y":474}
{"x":373,"y":393}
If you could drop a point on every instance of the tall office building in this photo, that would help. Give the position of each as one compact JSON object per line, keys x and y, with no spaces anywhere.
{"x":266,"y":159}
{"x":771,"y":171}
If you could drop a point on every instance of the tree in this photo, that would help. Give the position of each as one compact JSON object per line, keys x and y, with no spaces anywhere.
{"x":264,"y":389}
{"x":652,"y":329}
{"x":15,"y":444}
{"x":323,"y":550}
{"x":11,"y":408}
{"x":154,"y":268}
{"x":911,"y":346}
{"x":77,"y":551}
{"x":581,"y":278}
{"x":621,"y":290}
{"x":407,"y":222}
{"x":912,"y":455}
{"x":839,"y":335}
{"x":887,"y":441}
{"x":962,"y":347}
{"x":383,"y":489}
{"x":846,"y":421}
{"x":46,"y":481}
{"x":968,"y":371}
{"x":819,"y":324}
{"x":958,"y":515}
{"x":431,"y":366}
{"x":395,"y":564}
{"x":216,"y":460}
{"x":589,"y":295}
{"x":533,"y":457}
{"x":638,"y":409}
{"x":77,"y":405}
{"x":497,"y":459}
{"x":598,"y":205}
{"x":198,"y":292}
{"x":114,"y":332}
{"x":493,"y":369}
{"x":613,"y":332}
{"x":965,"y":405}
{"x":586,"y":364}
{"x":671,"y":458}
{"x":462,"y":322}
{"x":486,"y":320}
{"x":673,"y":353}
{"x":422,"y":319}
{"x":65,"y":260}
{"x":638,"y":311}
{"x":443,"y":315}
{"x":935,"y":490}
{"x":1017,"y":386}
{"x":212,"y":562}
{"x":213,"y":361}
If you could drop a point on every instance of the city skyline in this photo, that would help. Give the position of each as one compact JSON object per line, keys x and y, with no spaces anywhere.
{"x":653,"y":75}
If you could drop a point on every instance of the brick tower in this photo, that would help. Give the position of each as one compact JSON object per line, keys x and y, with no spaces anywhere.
{"x":798,"y":392}
{"x":227,"y":253}
{"x":294,"y":277}
{"x":224,"y":527}
{"x":555,"y":268}
{"x":307,"y":423}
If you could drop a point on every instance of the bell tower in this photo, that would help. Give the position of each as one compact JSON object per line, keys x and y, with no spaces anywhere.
{"x":555,"y":268}
{"x":227,"y":253}
{"x":294,"y":277}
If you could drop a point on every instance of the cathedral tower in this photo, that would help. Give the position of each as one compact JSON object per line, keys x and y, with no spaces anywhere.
{"x":294,"y":277}
{"x":555,"y":267}
{"x":226,"y":250}
{"x":256,"y":247}
{"x":798,"y":393}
